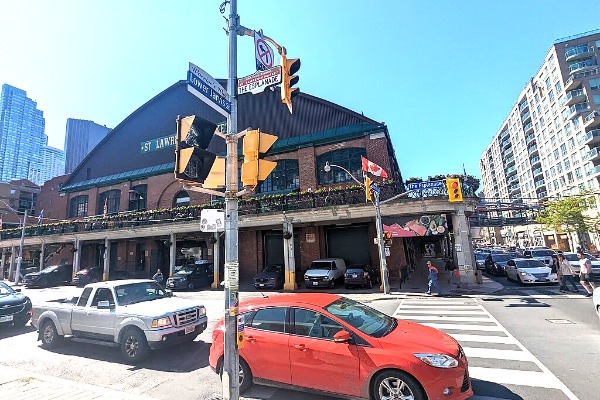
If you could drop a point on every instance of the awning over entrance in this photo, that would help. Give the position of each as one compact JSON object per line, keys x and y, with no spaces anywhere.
{"x":410,"y":226}
{"x":397,"y":231}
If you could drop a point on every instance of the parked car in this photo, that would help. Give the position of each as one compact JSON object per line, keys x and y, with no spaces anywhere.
{"x":529,"y":270}
{"x":574,"y":262}
{"x":499,"y":264}
{"x":361,"y":275}
{"x":137,"y":314}
{"x":88,"y":275}
{"x":480,"y":260}
{"x":50,"y":276}
{"x":325,"y":272}
{"x":192,"y":276}
{"x":542,"y":254}
{"x":15,"y":307}
{"x":271,"y":277}
{"x":369,"y":355}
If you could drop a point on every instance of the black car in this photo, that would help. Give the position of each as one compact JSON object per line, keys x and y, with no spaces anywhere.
{"x":271,"y":277}
{"x":88,"y":275}
{"x":361,"y":275}
{"x":191,"y":276}
{"x":15,"y":308}
{"x":497,"y":268}
{"x":50,"y":276}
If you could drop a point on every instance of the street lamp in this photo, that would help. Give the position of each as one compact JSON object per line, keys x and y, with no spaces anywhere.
{"x":382,"y":260}
{"x":23,"y":223}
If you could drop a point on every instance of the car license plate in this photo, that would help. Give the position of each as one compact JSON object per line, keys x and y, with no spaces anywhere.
{"x":189,"y":329}
{"x":354,"y":276}
{"x":6,"y":318}
{"x":543,"y":279}
{"x":315,"y":283}
{"x":261,"y":284}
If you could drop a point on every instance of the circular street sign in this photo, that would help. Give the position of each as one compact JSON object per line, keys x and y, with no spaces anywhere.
{"x":264,"y":52}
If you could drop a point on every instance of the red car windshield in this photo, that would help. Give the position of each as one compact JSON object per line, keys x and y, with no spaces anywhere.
{"x":364,"y":318}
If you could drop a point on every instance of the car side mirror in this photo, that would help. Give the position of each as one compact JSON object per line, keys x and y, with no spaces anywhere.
{"x":105,"y":305}
{"x":169,"y":293}
{"x":341,"y":337}
{"x":17,"y":289}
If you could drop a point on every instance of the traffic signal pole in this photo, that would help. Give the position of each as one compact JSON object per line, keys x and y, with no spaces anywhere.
{"x":230,"y":377}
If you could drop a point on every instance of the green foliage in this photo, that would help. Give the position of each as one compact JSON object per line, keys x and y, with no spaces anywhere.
{"x":567,"y":214}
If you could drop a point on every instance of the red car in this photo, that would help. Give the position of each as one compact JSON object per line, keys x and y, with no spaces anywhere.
{"x":328,"y":344}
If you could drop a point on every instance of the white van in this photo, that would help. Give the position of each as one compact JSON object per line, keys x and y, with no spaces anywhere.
{"x":325,"y":272}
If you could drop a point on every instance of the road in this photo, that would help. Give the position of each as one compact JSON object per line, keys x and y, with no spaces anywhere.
{"x":518,"y":345}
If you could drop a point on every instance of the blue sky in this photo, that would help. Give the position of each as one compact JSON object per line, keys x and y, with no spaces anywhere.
{"x":441,"y":74}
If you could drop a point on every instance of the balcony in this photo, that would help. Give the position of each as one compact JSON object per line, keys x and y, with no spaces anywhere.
{"x":530,"y":139}
{"x":591,"y":138}
{"x":592,"y":155}
{"x":526,"y":117}
{"x":542,"y":195}
{"x":511,"y":171}
{"x":514,"y":188}
{"x":594,"y":172}
{"x":582,"y":65}
{"x":578,"y":52}
{"x":506,"y":144}
{"x":577,"y":109}
{"x":509,"y":161}
{"x":539,"y":183}
{"x":523,"y":106}
{"x":534,"y":161}
{"x":504,"y":134}
{"x":537,"y":172}
{"x":573,"y":82}
{"x":508,"y":152}
{"x":532,"y":150}
{"x":592,"y":119}
{"x":528,"y":128}
{"x":574,"y":96}
{"x":513,"y":179}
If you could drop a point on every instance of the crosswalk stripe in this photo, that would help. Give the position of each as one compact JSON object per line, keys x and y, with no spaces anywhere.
{"x":443,"y":318}
{"x":487,"y":328}
{"x":447,"y":312}
{"x":482,"y":339}
{"x":442,"y":307}
{"x":515,"y":355}
{"x":516,"y":377}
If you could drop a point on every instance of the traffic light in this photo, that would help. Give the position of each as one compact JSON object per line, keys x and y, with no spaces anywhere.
{"x":454,"y":190}
{"x":255,"y":170}
{"x":288,"y":68}
{"x":192,"y":161}
{"x":368,"y":194}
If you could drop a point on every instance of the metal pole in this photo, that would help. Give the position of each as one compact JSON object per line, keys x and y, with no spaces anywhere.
{"x":382,"y":260}
{"x":231,"y":357}
{"x":18,"y":271}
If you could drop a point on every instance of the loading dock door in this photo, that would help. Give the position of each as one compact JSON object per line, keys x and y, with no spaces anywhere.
{"x":350,"y":243}
{"x":273,"y":254}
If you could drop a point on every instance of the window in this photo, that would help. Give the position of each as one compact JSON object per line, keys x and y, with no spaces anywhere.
{"x":562,"y":181}
{"x":596,"y":98}
{"x":137,"y":197}
{"x":551,"y":95}
{"x":102,"y":294}
{"x":313,"y":324}
{"x":557,"y":87}
{"x":109,"y":202}
{"x":559,"y":167}
{"x":556,"y":154}
{"x":349,"y":159}
{"x":567,"y":163}
{"x":571,"y":143}
{"x":595,"y":84}
{"x":182,"y":198}
{"x":78,"y":206}
{"x":269,"y":319}
{"x":83,"y":299}
{"x":563,"y":149}
{"x":285,"y":176}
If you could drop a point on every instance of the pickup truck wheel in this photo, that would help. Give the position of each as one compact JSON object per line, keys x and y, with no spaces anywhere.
{"x":332,"y":284}
{"x":134,"y":346}
{"x":191,"y":286}
{"x":49,"y":335}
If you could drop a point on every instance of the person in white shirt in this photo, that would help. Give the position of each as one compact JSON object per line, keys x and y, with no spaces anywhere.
{"x":585,"y":272}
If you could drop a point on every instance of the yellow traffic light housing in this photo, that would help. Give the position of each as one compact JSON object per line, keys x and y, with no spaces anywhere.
{"x":289,"y":66}
{"x":192,"y":161}
{"x":255,"y":170}
{"x":368,"y":190}
{"x":454,"y":190}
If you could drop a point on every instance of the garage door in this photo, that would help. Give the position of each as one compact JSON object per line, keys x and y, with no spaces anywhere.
{"x":274,"y":249}
{"x":350,"y":243}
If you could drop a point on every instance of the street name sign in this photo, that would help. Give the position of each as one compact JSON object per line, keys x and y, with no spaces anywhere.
{"x":425,"y":185}
{"x":207,"y":89}
{"x":259,"y":81}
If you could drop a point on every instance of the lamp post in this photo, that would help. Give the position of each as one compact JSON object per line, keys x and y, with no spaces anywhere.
{"x":382,"y":260}
{"x":23,"y":223}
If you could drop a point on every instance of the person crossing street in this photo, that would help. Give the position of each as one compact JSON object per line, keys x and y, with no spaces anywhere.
{"x":565,"y":274}
{"x":585,"y":274}
{"x":433,"y":279}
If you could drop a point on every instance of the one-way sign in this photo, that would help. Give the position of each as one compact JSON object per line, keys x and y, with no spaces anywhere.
{"x":207,"y":89}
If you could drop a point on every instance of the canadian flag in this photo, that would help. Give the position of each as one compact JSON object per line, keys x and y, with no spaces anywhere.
{"x":373,"y":168}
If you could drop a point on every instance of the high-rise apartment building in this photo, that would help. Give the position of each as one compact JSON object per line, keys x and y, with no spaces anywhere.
{"x":80,"y":138}
{"x":21,"y":134}
{"x":548,"y":145}
{"x":53,"y":165}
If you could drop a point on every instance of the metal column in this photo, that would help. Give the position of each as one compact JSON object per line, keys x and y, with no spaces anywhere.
{"x":106,"y":259}
{"x":76,"y":256}
{"x":288,"y":255}
{"x":172,"y":253}
{"x":2,"y":263}
{"x":42,"y":255}
{"x":216,"y":261}
{"x":11,"y":267}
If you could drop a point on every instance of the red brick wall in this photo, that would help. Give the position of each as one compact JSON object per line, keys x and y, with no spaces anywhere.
{"x":248,"y":251}
{"x":51,"y":201}
{"x":309,"y":251}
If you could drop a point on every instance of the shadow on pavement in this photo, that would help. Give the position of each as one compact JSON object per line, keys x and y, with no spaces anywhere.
{"x":11,"y":330}
{"x":494,"y":390}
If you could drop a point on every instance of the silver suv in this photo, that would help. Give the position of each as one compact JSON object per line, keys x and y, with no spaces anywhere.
{"x":544,"y":255}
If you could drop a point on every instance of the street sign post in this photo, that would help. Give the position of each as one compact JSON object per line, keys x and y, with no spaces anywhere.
{"x":207,"y":89}
{"x":259,"y":81}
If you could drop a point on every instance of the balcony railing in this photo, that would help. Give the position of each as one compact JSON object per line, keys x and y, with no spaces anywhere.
{"x":527,"y":127}
{"x":523,"y":106}
{"x":593,"y":172}
{"x":534,"y":160}
{"x":582,"y":65}
{"x":254,"y":206}
{"x":578,"y":51}
{"x":578,"y":108}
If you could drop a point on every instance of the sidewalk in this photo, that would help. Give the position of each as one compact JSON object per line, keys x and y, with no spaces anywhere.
{"x":17,"y":384}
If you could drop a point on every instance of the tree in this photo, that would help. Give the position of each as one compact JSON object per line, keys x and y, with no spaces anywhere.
{"x":568,"y":215}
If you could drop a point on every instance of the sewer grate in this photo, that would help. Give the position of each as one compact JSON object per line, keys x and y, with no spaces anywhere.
{"x":559,"y":321}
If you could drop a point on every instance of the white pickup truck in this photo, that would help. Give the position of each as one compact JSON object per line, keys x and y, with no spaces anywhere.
{"x":137,"y":315}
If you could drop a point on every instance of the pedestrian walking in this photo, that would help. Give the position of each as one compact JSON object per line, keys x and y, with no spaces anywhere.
{"x":433,"y":279}
{"x":555,"y":266}
{"x":158,"y":277}
{"x":565,"y":273}
{"x":585,"y":272}
{"x":453,"y":273}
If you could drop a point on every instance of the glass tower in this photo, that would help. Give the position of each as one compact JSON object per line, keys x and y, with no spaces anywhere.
{"x":80,"y":138}
{"x":21,"y":134}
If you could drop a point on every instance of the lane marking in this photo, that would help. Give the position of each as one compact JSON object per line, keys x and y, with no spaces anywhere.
{"x":442,"y":318}
{"x":514,"y":355}
{"x":464,"y":327}
{"x":448,"y":312}
{"x":482,"y":339}
{"x":516,"y":377}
